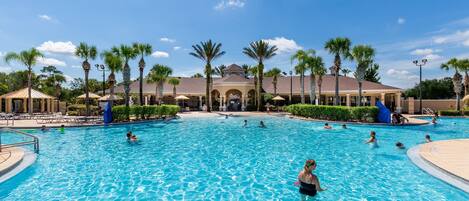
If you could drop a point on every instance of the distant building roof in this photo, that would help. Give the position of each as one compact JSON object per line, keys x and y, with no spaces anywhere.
{"x":196,"y":86}
{"x":23,"y":93}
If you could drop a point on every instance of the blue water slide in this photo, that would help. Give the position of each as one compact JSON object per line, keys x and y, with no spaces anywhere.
{"x":384,"y":115}
{"x":107,"y":113}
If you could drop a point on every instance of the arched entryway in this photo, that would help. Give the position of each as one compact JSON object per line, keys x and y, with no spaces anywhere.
{"x":233,"y":100}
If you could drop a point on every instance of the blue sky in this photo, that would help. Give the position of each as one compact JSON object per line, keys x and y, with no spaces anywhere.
{"x":399,"y":30}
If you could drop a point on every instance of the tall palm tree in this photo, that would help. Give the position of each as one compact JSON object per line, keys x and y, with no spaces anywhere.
{"x":86,"y":52}
{"x":274,"y":73}
{"x":260,"y":51}
{"x":253,"y":71}
{"x":197,"y":75}
{"x":465,"y":67}
{"x":126,"y":53}
{"x":316,"y":66}
{"x":340,"y":48}
{"x":158,"y":74}
{"x":142,"y":49}
{"x":29,"y":59}
{"x":455,"y":64}
{"x":207,"y":52}
{"x":345,"y":71}
{"x":174,"y":81}
{"x":319,"y":73}
{"x":363,"y":56}
{"x":302,"y":56}
{"x":114,"y":64}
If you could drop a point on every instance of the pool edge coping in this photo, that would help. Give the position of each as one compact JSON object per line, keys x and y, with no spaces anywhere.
{"x":414,"y":155}
{"x":28,"y":159}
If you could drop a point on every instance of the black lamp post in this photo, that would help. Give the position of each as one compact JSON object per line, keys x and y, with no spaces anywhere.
{"x":420,"y":64}
{"x":291,"y":86}
{"x":101,"y":67}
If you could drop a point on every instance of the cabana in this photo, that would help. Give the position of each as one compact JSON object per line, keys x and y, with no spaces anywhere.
{"x":17,"y":101}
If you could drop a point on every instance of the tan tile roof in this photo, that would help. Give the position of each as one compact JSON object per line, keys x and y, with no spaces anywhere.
{"x":196,"y":86}
{"x":23,"y":93}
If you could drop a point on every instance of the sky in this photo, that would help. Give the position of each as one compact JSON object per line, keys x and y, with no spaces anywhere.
{"x":400,"y":31}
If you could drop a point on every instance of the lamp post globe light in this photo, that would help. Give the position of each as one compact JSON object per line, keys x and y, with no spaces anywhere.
{"x":101,"y":67}
{"x":420,"y":63}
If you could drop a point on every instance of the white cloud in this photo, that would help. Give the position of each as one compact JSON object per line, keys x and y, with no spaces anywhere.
{"x":176,"y":48}
{"x":5,"y":69}
{"x":169,"y":40}
{"x":77,"y":66}
{"x":432,"y":57}
{"x":51,"y":61}
{"x":457,"y":37}
{"x":284,"y":45}
{"x":466,"y":42}
{"x":58,"y":47}
{"x":68,"y":78}
{"x":45,"y":17}
{"x":401,"y":74}
{"x":426,"y":51}
{"x":400,"y":20}
{"x":229,"y":4}
{"x":160,"y":54}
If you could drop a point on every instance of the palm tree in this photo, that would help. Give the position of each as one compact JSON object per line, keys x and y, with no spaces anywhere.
{"x":274,"y":73}
{"x":207,"y":52}
{"x":465,"y":67}
{"x":253,"y":71}
{"x":220,"y":70}
{"x":319,"y":73}
{"x":174,"y":81}
{"x":345,"y":71}
{"x":158,"y":74}
{"x":339,"y":47}
{"x":302,"y":56}
{"x":114,"y":64}
{"x":142,"y":49}
{"x":246,"y":70}
{"x":260,"y":51}
{"x":197,"y":75}
{"x":28,"y":58}
{"x":457,"y":78}
{"x":316,"y":66}
{"x":363,"y":56}
{"x":126,"y":53}
{"x":86,"y":52}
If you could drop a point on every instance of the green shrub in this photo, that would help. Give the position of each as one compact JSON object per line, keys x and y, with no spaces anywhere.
{"x":466,"y":112}
{"x":122,"y":113}
{"x":449,"y":113}
{"x":365,"y":113}
{"x":80,"y":110}
{"x":334,"y":113}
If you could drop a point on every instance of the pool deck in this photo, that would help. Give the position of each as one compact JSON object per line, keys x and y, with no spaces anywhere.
{"x":447,"y":160}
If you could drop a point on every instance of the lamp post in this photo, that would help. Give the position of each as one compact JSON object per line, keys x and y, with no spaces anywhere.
{"x":291,"y":86}
{"x":101,"y":67}
{"x":420,"y":64}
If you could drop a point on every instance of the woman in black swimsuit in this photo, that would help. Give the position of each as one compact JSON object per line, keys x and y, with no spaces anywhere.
{"x":309,"y":182}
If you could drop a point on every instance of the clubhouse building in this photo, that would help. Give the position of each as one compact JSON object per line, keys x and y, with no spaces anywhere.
{"x":236,"y":92}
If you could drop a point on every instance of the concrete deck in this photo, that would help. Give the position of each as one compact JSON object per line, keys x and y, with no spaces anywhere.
{"x":446,"y":160}
{"x":10,"y":158}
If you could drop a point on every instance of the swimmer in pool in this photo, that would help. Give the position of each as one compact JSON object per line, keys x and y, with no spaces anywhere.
{"x":427,"y":139}
{"x":245,"y":123}
{"x":62,"y":128}
{"x":326,"y":126}
{"x":399,"y":145}
{"x":344,"y":126}
{"x":261,"y":124}
{"x":308,"y":181}
{"x":372,"y":141}
{"x":44,"y":129}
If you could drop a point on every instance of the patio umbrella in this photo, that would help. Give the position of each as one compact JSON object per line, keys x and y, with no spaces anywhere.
{"x":182,"y":97}
{"x":109,"y":97}
{"x":466,"y":100}
{"x":91,"y":95}
{"x":278,"y":98}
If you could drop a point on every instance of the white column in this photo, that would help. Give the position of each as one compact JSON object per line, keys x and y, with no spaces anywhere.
{"x":242,"y":103}
{"x":221,"y":103}
{"x":348,"y":100}
{"x":398,"y":102}
{"x":200,"y":103}
{"x":383,"y":96}
{"x":146,"y":100}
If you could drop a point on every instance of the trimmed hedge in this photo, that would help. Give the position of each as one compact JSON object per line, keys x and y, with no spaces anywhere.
{"x":335,"y":113}
{"x":122,"y":113}
{"x":453,"y":113}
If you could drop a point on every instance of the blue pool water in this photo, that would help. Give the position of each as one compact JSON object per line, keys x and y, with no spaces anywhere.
{"x":218,"y":159}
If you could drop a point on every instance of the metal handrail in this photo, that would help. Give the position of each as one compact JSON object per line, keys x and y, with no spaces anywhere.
{"x":34,"y":142}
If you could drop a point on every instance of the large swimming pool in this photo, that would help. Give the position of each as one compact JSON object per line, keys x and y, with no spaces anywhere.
{"x":217,"y":159}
